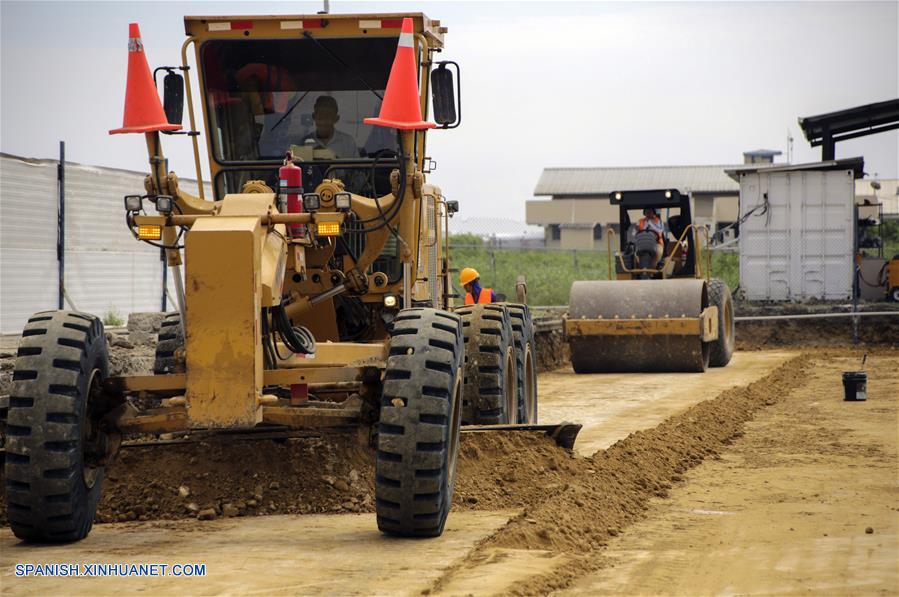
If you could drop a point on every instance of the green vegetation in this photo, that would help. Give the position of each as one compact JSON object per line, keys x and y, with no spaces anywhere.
{"x":726,"y":265}
{"x":549,"y":272}
{"x":113,"y":318}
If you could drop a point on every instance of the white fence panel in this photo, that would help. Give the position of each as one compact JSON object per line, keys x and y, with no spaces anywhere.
{"x":106,"y":270}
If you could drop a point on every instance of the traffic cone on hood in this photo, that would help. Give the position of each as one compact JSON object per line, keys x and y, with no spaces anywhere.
{"x":143,"y":110}
{"x":401,"y":108}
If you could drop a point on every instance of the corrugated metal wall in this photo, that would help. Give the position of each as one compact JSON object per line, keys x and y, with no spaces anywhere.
{"x":801,"y":247}
{"x":106,"y":269}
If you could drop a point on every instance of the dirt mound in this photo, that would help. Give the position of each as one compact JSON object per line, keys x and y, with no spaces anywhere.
{"x":597,"y":497}
{"x":297,"y":475}
{"x":552,"y":349}
{"x":497,"y":471}
{"x":822,"y":332}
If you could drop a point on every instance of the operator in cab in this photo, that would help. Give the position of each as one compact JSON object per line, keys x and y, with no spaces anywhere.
{"x":652,"y":222}
{"x":325,"y":114}
{"x":474,"y":293}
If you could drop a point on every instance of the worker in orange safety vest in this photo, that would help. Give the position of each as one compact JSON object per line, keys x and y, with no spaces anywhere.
{"x":469,"y":277}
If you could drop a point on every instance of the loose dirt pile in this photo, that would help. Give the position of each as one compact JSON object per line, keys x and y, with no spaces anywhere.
{"x":239,"y":478}
{"x":872,"y":331}
{"x":552,"y":349}
{"x":329,"y":474}
{"x":597,"y":497}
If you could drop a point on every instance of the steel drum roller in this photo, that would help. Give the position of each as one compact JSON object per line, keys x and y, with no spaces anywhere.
{"x":637,"y":325}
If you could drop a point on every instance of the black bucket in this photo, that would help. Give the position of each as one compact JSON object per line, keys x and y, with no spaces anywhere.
{"x":855,"y":386}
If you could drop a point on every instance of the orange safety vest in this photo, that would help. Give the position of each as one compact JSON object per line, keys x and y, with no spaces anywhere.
{"x":642,"y":226}
{"x":483,"y":297}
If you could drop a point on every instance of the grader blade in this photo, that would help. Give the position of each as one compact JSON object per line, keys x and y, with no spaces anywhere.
{"x":640,"y":325}
{"x":564,"y":434}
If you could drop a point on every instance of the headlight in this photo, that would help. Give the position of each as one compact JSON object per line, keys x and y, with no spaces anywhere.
{"x":667,"y":194}
{"x":164,"y":204}
{"x":389,"y":301}
{"x":343,"y":201}
{"x":617,"y":196}
{"x":312,"y":201}
{"x":133,"y":202}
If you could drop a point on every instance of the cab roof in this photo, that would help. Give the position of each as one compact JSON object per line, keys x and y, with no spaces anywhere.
{"x":354,"y":23}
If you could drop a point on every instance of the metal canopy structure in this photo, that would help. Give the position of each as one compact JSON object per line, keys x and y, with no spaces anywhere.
{"x":828,"y":129}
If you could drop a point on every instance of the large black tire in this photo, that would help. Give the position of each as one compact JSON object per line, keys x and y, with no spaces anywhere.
{"x":525,"y":361}
{"x":722,"y":349}
{"x":52,"y":479}
{"x":489,"y":393}
{"x":171,"y":340}
{"x":418,"y":432}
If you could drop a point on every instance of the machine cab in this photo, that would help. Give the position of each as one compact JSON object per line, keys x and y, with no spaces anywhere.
{"x":302,"y":84}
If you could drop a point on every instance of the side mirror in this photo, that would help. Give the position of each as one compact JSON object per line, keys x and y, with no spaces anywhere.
{"x":452,"y":207}
{"x":444,"y":93}
{"x":173,"y":97}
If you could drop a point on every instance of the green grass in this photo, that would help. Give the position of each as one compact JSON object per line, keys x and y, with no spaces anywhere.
{"x":549,"y":273}
{"x":113,"y":318}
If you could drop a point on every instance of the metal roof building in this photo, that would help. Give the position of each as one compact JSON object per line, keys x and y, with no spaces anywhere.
{"x":592,"y":182}
{"x":579,"y":208}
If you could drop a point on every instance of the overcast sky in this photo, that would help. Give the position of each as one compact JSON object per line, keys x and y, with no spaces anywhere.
{"x":543,"y":83}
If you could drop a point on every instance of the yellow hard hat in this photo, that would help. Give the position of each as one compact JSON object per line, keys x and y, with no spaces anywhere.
{"x":469,"y":274}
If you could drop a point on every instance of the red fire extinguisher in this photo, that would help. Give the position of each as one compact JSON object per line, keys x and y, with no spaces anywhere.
{"x":291,"y":185}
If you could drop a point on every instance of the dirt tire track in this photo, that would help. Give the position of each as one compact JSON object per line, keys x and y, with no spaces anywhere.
{"x":609,"y":491}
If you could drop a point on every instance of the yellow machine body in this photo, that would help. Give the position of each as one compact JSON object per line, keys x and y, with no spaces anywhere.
{"x":239,"y":258}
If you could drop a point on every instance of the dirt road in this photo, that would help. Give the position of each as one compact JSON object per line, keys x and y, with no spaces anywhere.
{"x":611,"y":406}
{"x":572,"y":508}
{"x":787,"y":510}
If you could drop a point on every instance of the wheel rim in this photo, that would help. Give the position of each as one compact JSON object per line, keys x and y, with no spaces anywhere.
{"x":454,"y":430}
{"x":511,"y":389}
{"x":530,"y":386}
{"x":89,"y":435}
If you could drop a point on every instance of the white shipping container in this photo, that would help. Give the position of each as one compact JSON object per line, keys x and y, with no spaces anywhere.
{"x":798,"y":243}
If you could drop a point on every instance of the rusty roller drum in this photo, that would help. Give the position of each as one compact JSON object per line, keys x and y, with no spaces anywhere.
{"x":640,"y":325}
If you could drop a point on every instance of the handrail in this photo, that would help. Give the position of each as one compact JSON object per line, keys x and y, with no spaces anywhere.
{"x":643,"y":270}
{"x":190,"y":114}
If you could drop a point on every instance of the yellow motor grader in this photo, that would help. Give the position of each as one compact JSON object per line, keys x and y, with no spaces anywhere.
{"x":316,"y":282}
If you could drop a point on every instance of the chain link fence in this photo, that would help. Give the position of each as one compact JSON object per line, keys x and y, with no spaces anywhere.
{"x":549,"y":271}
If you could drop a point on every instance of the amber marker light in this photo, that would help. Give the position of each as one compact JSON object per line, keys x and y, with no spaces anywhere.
{"x":149,"y":232}
{"x":328,"y":228}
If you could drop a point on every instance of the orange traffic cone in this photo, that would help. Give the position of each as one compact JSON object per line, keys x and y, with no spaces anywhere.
{"x":143,"y":110}
{"x":400,"y":108}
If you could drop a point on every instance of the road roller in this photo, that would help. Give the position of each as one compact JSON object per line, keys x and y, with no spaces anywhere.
{"x":660,"y":311}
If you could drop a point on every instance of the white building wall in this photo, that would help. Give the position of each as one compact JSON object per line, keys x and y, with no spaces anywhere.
{"x":105,"y":268}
